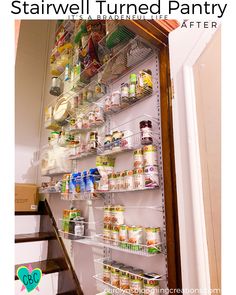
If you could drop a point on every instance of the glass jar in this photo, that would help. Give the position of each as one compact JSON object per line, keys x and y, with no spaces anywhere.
{"x":93,"y":141}
{"x":108,"y":142}
{"x":132,"y":87}
{"x":99,"y":116}
{"x":115,"y":101}
{"x":124,"y":94}
{"x":116,"y":140}
{"x":146,"y":132}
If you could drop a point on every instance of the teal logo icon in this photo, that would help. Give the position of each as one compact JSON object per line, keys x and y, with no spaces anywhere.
{"x":29,"y":277}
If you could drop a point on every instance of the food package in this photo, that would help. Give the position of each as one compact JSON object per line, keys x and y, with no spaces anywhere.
{"x":105,"y":166}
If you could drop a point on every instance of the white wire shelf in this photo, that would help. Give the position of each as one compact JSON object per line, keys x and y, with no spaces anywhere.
{"x":138,"y":249}
{"x":126,"y":144}
{"x":154,"y":278}
{"x":130,"y":54}
{"x":71,"y":236}
{"x":129,"y":190}
{"x":82,"y":155}
{"x":155,"y":208}
{"x":99,"y":278}
{"x":83,"y":196}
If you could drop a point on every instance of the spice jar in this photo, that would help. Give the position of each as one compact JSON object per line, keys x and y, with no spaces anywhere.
{"x":91,"y":118}
{"x":115,"y":101}
{"x":108,"y":142}
{"x":98,"y":116}
{"x":107,"y":105}
{"x":124,"y":94}
{"x":146,"y":132}
{"x":112,"y":181}
{"x":132,"y":87}
{"x":116,"y":140}
{"x":99,"y":90}
{"x":93,"y":140}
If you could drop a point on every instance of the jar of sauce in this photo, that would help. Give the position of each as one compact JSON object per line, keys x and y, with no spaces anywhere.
{"x":146,"y":132}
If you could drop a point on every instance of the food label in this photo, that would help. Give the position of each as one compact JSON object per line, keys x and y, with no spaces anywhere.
{"x":135,"y":286}
{"x":146,"y":132}
{"x":115,"y":279}
{"x":124,"y":282}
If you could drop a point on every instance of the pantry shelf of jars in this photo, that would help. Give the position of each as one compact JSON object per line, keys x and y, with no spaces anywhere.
{"x":105,"y":109}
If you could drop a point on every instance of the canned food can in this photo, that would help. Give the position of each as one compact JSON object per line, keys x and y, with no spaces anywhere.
{"x":129,"y":180}
{"x":135,"y":237}
{"x":151,"y":285}
{"x":150,"y":155}
{"x":139,"y":182}
{"x":151,"y":176}
{"x":112,"y":181}
{"x":117,"y":215}
{"x":107,"y":270}
{"x":124,"y":277}
{"x":138,"y":158}
{"x":107,"y":215}
{"x":115,"y":235}
{"x":115,"y":274}
{"x":136,"y":281}
{"x":123,"y":235}
{"x":79,"y":227}
{"x":153,"y":237}
{"x":119,"y":181}
{"x":106,"y":233}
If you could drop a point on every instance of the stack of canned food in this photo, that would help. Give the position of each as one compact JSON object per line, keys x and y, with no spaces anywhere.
{"x":135,"y":238}
{"x":134,"y":280}
{"x":136,"y":88}
{"x":144,"y":175}
{"x":73,"y":223}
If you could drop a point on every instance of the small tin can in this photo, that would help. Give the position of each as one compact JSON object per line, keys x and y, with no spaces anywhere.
{"x":125,"y":94}
{"x":115,"y":274}
{"x":151,"y":284}
{"x":136,"y":281}
{"x":117,"y":215}
{"x":123,"y":235}
{"x":112,"y":181}
{"x":138,"y":158}
{"x":115,"y":100}
{"x":119,"y":181}
{"x":108,"y":142}
{"x":139,"y":182}
{"x":124,"y":277}
{"x":151,"y":176}
{"x":107,"y":104}
{"x":150,"y":155}
{"x":107,"y":270}
{"x":107,"y":233}
{"x":135,"y":237}
{"x":107,"y":215}
{"x":116,"y":140}
{"x":153,"y":237}
{"x":115,"y":235}
{"x":79,"y":227}
{"x":129,"y":180}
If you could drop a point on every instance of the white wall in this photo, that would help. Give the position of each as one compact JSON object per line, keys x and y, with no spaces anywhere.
{"x":31,"y":59}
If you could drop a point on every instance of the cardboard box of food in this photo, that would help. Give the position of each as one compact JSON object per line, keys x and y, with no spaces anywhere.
{"x":26,"y":197}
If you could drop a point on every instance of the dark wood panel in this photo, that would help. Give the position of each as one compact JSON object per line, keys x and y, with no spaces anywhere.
{"x":72,"y":292}
{"x":171,"y":208}
{"x":33,"y":237}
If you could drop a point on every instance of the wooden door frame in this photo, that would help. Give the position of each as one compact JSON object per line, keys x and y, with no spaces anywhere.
{"x":157,"y":34}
